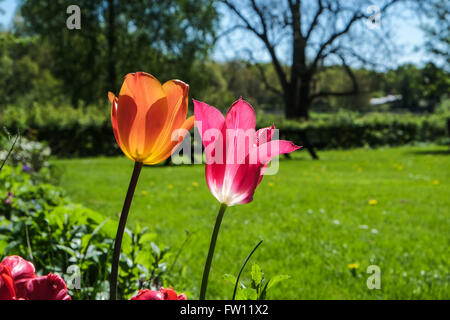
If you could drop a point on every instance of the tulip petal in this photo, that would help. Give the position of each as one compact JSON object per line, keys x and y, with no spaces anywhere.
{"x":126,"y":115}
{"x":267,"y":151}
{"x":240,"y":135}
{"x":182,"y":297}
{"x":244,"y":185}
{"x":162,"y":294}
{"x":155,"y":121}
{"x":169,"y":294}
{"x":141,"y":114}
{"x":264,"y":135}
{"x":214,"y":174}
{"x":177,"y":105}
{"x":240,"y":138}
{"x":144,"y":88}
{"x":148,"y":295}
{"x":177,"y":101}
{"x":7,"y":289}
{"x":170,"y":146}
{"x":19,"y":267}
{"x":50,"y":287}
{"x":240,"y":116}
{"x":208,"y":118}
{"x":114,"y":103}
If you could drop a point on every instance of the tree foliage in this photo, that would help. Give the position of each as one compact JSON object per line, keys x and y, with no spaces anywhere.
{"x":117,"y":37}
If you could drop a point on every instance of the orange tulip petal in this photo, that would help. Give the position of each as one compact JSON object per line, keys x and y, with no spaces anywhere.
{"x":126,"y":115}
{"x":171,"y":145}
{"x":155,"y":120}
{"x":114,"y":102}
{"x":177,"y":102}
{"x":142,"y":113}
{"x":144,"y":88}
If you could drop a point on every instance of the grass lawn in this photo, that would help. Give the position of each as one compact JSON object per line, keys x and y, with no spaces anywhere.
{"x":386,"y":207}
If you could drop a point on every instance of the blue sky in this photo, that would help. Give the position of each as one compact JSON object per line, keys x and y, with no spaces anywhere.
{"x":406,"y":33}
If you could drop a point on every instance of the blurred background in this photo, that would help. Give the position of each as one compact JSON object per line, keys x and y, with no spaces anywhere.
{"x":363,"y":85}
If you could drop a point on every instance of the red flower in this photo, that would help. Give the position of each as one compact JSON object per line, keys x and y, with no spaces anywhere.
{"x":18,"y":281}
{"x":163,"y":294}
{"x":50,"y":287}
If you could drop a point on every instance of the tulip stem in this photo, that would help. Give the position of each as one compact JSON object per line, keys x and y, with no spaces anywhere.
{"x":121,"y":229}
{"x":212,"y":246}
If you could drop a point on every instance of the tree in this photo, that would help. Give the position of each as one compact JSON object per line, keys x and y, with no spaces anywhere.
{"x":437,"y":29}
{"x":316,"y":32}
{"x":118,"y":37}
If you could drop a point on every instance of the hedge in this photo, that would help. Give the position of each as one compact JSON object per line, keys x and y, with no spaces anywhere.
{"x":87,"y":131}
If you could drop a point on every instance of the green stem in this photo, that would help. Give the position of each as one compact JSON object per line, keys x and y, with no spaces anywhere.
{"x":212,"y":246}
{"x":121,"y":229}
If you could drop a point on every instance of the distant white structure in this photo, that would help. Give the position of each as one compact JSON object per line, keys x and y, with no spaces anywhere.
{"x":387,"y":99}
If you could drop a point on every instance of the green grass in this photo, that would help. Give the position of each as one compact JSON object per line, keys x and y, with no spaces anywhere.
{"x":314,"y":216}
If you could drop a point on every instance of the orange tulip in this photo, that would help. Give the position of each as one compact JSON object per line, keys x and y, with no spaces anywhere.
{"x":145,"y":115}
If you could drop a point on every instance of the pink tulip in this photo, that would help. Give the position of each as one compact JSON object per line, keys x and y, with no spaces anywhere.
{"x":236,"y":154}
{"x":236,"y":158}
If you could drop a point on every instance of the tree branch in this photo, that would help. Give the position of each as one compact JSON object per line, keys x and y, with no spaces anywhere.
{"x":357,"y":16}
{"x":262,"y":72}
{"x":348,"y":70}
{"x":263,"y":36}
{"x":315,"y":20}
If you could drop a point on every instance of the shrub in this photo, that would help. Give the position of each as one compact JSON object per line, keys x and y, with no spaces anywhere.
{"x":82,"y":132}
{"x":39,"y":222}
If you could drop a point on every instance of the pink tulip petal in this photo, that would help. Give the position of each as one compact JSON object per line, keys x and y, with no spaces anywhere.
{"x":267,"y":151}
{"x":20,"y":268}
{"x":245,"y":154}
{"x":148,"y":295}
{"x":208,"y":117}
{"x":245,"y":183}
{"x":272,"y":149}
{"x":162,"y":294}
{"x":182,"y":297}
{"x":240,"y":137}
{"x":264,"y":135}
{"x":240,"y":116}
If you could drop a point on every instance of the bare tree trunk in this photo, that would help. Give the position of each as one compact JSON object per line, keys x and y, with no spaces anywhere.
{"x":297,"y":105}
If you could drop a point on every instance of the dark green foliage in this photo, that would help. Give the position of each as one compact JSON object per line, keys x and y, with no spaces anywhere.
{"x":164,"y":38}
{"x":39,"y":223}
{"x":87,"y":131}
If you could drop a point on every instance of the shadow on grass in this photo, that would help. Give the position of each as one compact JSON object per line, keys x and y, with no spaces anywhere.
{"x":430,"y":152}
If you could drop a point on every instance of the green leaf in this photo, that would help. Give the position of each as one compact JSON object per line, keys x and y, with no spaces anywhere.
{"x":277,"y":279}
{"x":256,"y":274}
{"x":155,"y":248}
{"x":229,"y":278}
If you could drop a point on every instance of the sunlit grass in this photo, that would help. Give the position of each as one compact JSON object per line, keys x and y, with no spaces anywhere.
{"x":319,"y":220}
